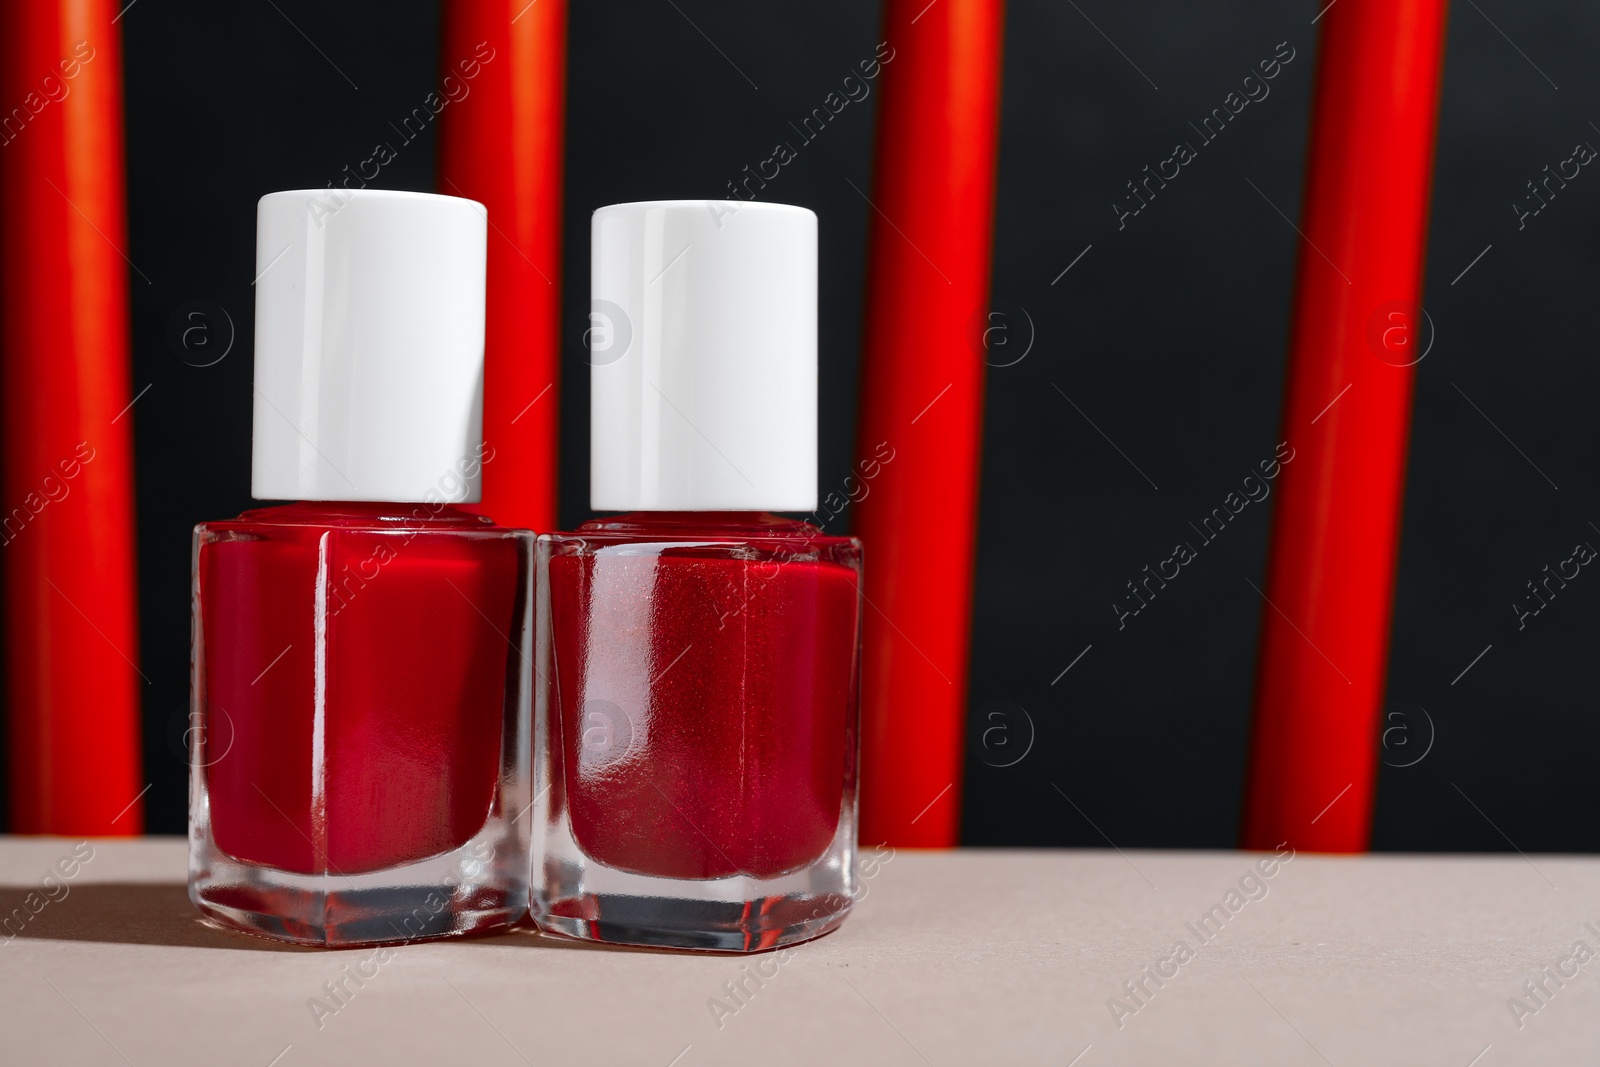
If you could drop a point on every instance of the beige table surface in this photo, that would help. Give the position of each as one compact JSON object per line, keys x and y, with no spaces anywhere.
{"x":971,"y":957}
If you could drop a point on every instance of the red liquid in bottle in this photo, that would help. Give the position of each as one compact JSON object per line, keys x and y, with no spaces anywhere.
{"x":354,"y":681}
{"x":704,"y":679}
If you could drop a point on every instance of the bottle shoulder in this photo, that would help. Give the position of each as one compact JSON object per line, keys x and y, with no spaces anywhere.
{"x":747,"y":535}
{"x":311,"y":517}
{"x":360,"y":515}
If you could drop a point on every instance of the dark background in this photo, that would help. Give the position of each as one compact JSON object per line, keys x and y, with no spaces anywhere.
{"x":1169,"y":334}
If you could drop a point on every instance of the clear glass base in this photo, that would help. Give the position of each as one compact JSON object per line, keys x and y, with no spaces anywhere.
{"x":707,"y":926}
{"x":480,"y":886}
{"x":585,"y":899}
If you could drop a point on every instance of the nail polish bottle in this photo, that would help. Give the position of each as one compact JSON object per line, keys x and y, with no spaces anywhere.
{"x":696,"y":718}
{"x":361,"y":693}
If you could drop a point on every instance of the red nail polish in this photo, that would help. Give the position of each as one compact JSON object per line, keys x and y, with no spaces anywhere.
{"x":699,"y":655}
{"x":360,"y":693}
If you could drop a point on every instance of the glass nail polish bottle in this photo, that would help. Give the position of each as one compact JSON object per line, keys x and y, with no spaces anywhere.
{"x":361,"y":692}
{"x":696,"y":723}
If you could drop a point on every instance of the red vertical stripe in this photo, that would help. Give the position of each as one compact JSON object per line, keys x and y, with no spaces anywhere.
{"x":71,"y":680}
{"x":501,"y":145}
{"x":932,"y":220}
{"x":1336,"y":529}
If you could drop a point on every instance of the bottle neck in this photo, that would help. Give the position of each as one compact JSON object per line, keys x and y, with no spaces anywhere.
{"x":700,"y":522}
{"x":368,"y":513}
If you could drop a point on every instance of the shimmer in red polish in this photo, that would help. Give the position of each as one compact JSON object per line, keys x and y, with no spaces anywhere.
{"x":704,"y":679}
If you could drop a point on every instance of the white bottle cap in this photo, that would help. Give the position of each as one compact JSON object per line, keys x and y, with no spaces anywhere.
{"x":703,"y":353}
{"x":369,"y":346}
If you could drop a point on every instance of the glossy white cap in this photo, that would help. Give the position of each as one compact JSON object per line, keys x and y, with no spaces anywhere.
{"x":369,"y":346}
{"x":703,"y":354}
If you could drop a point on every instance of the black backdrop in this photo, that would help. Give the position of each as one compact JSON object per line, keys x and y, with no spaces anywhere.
{"x":1168,"y":333}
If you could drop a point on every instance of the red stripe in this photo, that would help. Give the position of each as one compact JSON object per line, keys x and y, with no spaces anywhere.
{"x":71,"y":636}
{"x":501,"y":144}
{"x":932,"y":220}
{"x":1336,"y":528}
